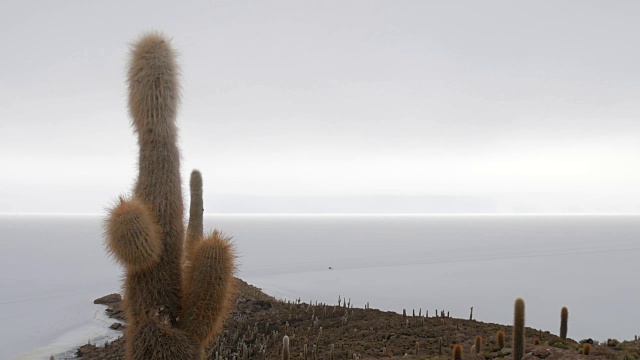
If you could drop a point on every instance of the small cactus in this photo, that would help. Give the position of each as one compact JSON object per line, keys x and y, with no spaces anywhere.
{"x":478,"y":344}
{"x":285,"y":348}
{"x":518,"y":330}
{"x":500,"y":339}
{"x":457,"y":352}
{"x":536,"y":341}
{"x":586,"y":349}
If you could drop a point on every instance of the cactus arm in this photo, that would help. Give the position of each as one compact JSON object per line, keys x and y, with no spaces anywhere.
{"x":195,"y":230}
{"x":209,"y":287}
{"x":133,"y":237}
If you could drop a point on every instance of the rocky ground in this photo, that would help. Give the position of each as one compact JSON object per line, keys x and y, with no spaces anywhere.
{"x":258,"y":323}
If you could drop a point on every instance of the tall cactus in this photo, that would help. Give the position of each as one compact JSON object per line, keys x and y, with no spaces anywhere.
{"x":564,"y":319}
{"x":173,"y":310}
{"x":518,"y":329}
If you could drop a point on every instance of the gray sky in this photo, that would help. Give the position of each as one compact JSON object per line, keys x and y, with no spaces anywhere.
{"x":530,"y":105}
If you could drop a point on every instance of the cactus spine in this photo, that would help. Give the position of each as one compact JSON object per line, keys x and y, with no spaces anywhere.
{"x":564,"y":319}
{"x":457,"y":352}
{"x":172,"y":313}
{"x":518,"y":330}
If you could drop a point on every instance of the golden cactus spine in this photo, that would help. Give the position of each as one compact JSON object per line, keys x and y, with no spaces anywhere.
{"x":564,"y":319}
{"x":518,"y":329}
{"x":146,"y":233}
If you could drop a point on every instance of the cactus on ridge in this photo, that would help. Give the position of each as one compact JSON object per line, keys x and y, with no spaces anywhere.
{"x":564,"y":319}
{"x":173,"y":311}
{"x":518,"y":329}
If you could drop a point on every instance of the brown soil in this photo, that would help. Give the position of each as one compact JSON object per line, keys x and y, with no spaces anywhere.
{"x":258,"y":323}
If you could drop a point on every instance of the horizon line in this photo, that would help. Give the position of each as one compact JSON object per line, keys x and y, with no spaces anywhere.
{"x":347,"y":214}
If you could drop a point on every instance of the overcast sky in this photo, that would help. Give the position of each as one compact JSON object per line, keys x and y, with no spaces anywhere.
{"x":533,"y":105}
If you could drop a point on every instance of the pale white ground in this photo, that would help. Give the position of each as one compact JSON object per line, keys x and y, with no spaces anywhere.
{"x":52,"y":268}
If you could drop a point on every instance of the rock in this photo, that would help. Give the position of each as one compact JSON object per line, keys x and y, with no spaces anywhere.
{"x":115,"y":326}
{"x":85,"y":349}
{"x":108,"y":299}
{"x":541,"y":352}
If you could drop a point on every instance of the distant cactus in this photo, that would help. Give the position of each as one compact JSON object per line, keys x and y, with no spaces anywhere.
{"x":518,"y":330}
{"x":173,"y":311}
{"x":457,"y":352}
{"x":478,"y":344}
{"x":564,"y":319}
{"x":285,"y":348}
{"x":440,"y":342}
{"x":500,"y":339}
{"x":586,"y":349}
{"x":536,"y":341}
